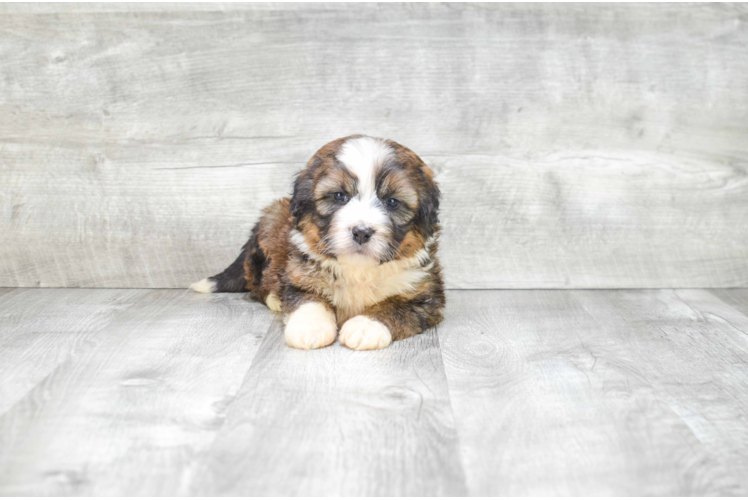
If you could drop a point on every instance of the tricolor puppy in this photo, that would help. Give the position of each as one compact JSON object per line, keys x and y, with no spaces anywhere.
{"x":352,"y":253}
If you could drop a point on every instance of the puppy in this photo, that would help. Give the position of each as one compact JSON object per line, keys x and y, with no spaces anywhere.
{"x":353,"y":249}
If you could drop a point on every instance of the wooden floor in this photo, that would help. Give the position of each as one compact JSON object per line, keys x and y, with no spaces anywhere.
{"x":140,"y":392}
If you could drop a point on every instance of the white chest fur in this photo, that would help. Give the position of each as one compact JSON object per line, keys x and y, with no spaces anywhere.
{"x":355,"y":288}
{"x":352,"y":288}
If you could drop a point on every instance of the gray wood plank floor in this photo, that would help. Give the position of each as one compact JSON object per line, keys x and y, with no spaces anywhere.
{"x":137,"y":392}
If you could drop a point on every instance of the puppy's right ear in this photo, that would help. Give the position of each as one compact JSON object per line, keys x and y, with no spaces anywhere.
{"x":302,"y":200}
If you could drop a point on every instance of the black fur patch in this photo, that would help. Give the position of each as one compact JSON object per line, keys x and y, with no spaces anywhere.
{"x":427,"y":216}
{"x":232,"y":278}
{"x":256,"y":258}
{"x":302,"y":200}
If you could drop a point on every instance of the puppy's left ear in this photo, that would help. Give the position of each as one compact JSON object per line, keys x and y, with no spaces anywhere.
{"x":303,"y":190}
{"x":428,"y":203}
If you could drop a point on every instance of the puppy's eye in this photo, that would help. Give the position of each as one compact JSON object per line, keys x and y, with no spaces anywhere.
{"x":392,"y":202}
{"x":340,"y":197}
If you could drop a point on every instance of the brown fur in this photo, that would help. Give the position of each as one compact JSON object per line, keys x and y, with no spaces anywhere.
{"x":273,"y":264}
{"x":272,"y":242}
{"x":411,"y":244}
{"x":412,"y":313}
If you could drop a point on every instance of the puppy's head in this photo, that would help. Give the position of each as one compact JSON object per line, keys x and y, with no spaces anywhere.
{"x":365,"y":201}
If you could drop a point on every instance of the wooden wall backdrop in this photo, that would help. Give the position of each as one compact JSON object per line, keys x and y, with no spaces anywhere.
{"x":576,"y":145}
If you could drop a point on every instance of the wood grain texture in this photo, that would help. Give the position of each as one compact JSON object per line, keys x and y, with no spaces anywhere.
{"x":694,"y":353}
{"x":738,"y":299}
{"x":42,"y":329}
{"x":131,"y":413}
{"x":161,"y":392}
{"x":339,"y":422}
{"x":79,"y":7}
{"x":598,"y":392}
{"x":576,"y":145}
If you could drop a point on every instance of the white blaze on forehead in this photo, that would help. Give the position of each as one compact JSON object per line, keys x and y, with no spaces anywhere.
{"x":363,"y":156}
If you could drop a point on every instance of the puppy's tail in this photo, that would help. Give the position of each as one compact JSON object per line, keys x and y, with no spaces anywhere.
{"x":230,"y":280}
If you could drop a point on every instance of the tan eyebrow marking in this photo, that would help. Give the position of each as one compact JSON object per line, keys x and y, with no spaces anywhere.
{"x":427,"y":171}
{"x":398,"y":184}
{"x":335,"y":180}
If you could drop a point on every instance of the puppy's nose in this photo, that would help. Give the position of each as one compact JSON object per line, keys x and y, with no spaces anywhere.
{"x":362,"y":234}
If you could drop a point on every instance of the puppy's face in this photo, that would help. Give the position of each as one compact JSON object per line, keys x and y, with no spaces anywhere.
{"x":365,"y":201}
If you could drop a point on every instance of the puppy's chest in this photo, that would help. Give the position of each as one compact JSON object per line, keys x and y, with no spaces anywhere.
{"x":351,"y":290}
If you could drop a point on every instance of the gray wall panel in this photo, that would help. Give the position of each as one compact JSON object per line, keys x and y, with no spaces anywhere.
{"x":576,"y":145}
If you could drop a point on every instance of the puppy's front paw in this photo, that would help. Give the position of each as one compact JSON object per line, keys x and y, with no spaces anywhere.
{"x":273,"y":303}
{"x":311,"y":326}
{"x":362,"y":333}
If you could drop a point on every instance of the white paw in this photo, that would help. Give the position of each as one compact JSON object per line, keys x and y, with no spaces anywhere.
{"x":273,"y":302}
{"x":362,"y":333}
{"x":204,"y":286}
{"x":311,"y":326}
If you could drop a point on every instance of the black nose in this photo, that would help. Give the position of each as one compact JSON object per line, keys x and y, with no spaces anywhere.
{"x":362,"y":234}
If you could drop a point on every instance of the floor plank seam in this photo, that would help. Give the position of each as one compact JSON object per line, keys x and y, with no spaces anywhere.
{"x":199,"y":460}
{"x":517,"y":392}
{"x":732,"y":308}
{"x":458,"y":439}
{"x":249,"y":369}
